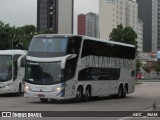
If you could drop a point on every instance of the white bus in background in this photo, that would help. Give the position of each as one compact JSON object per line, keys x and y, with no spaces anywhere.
{"x":12,"y":71}
{"x":70,"y":66}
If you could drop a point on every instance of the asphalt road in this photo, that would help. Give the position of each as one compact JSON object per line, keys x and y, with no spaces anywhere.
{"x":146,"y":96}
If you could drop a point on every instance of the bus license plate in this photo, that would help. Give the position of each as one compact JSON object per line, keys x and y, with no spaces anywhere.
{"x":41,"y":95}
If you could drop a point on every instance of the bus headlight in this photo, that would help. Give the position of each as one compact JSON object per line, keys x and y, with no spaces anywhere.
{"x":57,"y":88}
{"x":27,"y":88}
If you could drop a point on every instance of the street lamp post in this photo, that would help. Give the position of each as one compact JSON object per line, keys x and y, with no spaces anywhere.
{"x":13,"y":39}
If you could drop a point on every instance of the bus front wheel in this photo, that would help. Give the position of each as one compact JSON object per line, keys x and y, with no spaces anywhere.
{"x":19,"y":90}
{"x":79,"y":94}
{"x":124,"y":92}
{"x":120,"y":92}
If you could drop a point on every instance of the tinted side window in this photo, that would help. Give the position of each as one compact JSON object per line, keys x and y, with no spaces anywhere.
{"x":96,"y":48}
{"x":94,"y":73}
{"x":74,"y":44}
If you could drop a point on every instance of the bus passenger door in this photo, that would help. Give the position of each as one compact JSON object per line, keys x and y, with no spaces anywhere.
{"x":21,"y":70}
{"x":69,"y":76}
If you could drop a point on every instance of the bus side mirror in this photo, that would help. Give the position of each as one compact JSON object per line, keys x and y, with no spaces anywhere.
{"x":20,"y":62}
{"x":70,"y":56}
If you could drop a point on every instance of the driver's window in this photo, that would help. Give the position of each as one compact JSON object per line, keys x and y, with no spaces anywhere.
{"x":74,"y":45}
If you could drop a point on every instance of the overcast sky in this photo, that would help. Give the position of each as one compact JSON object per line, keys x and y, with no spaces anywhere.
{"x":22,"y":12}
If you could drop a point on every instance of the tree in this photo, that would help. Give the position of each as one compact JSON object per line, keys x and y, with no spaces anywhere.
{"x":148,"y":69}
{"x":138,"y":65}
{"x":117,"y":34}
{"x":16,"y":38}
{"x":156,"y":67}
{"x":124,"y":35}
{"x":23,"y":36}
{"x":6,"y":36}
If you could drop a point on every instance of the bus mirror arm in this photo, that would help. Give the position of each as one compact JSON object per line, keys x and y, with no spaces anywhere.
{"x":19,"y":60}
{"x":70,"y":56}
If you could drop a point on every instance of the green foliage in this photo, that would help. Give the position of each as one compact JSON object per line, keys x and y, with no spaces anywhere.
{"x":147,"y":68}
{"x":124,"y":35}
{"x":117,"y":34}
{"x":16,"y":38}
{"x":156,"y":66}
{"x":6,"y":35}
{"x":138,"y":65}
{"x":23,"y":36}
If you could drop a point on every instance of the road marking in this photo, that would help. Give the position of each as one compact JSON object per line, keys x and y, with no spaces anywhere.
{"x":141,"y":111}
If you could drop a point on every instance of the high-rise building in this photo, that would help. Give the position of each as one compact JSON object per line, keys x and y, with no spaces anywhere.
{"x":55,"y":15}
{"x":148,"y":13}
{"x":88,"y":24}
{"x":81,"y":24}
{"x":140,"y":36}
{"x":158,"y":24}
{"x":92,"y":24}
{"x":116,"y":12}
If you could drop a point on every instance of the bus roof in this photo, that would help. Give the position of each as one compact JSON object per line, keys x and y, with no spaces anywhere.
{"x":12,"y":52}
{"x":85,"y":37}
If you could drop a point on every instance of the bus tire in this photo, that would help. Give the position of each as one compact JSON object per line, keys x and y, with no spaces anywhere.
{"x":124,"y":94}
{"x":79,"y":94}
{"x":87,"y":94}
{"x":120,"y":92}
{"x":19,"y":92}
{"x":43,"y":100}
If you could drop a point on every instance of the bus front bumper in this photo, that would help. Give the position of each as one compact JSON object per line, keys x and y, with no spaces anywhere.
{"x":49,"y":95}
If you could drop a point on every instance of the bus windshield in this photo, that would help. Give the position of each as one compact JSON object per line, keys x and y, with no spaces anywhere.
{"x":5,"y":68}
{"x":44,"y":44}
{"x":43,"y":73}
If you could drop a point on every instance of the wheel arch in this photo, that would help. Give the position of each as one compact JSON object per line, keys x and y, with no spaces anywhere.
{"x":90,"y":87}
{"x":80,"y":85}
{"x":126,"y":86}
{"x":120,"y":85}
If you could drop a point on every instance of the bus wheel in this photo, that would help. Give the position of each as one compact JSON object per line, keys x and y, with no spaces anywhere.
{"x":44,"y":100}
{"x":19,"y":90}
{"x":78,"y":94}
{"x":87,"y":94}
{"x":124,"y":92}
{"x":120,"y":92}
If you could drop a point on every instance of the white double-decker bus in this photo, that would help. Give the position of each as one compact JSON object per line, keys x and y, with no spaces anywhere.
{"x":70,"y":66}
{"x":12,"y":71}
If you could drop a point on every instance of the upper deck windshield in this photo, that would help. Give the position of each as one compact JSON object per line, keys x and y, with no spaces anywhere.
{"x":48,"y":44}
{"x":5,"y":68}
{"x":43,"y":73}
